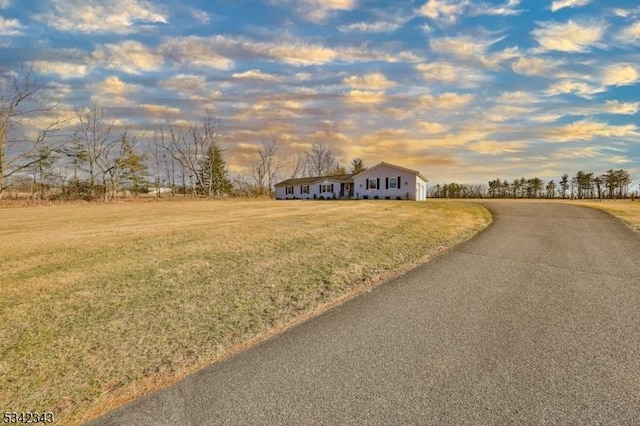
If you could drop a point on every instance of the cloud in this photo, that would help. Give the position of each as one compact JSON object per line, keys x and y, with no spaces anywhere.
{"x":578,"y":88}
{"x":561,"y":4}
{"x":585,"y":130}
{"x":371,"y":27}
{"x":366,"y":97}
{"x":101,"y":16}
{"x":160,"y":111}
{"x":445,"y":72}
{"x":112,"y":92}
{"x":517,"y":97}
{"x":472,"y":49}
{"x":198,"y":51}
{"x":255,"y":75}
{"x":535,"y":66}
{"x":5,"y":4}
{"x":508,"y":112}
{"x":507,"y":9}
{"x":192,"y":87}
{"x":129,"y":56}
{"x":64,"y":70}
{"x":446,"y":101}
{"x":448,"y":11}
{"x":630,"y":34}
{"x":626,"y":108}
{"x":545,"y":117}
{"x":432,"y":127}
{"x":620,"y":75}
{"x":571,"y":37}
{"x":374,"y":80}
{"x":493,"y":147}
{"x":10,"y":27}
{"x":200,"y":15}
{"x":318,"y":10}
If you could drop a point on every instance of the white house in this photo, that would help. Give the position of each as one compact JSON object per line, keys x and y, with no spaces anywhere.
{"x":382,"y":181}
{"x":388,"y":181}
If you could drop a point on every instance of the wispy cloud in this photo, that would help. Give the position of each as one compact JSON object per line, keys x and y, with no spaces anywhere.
{"x":101,"y":16}
{"x":113,"y":92}
{"x":445,"y":72}
{"x":446,"y":101}
{"x":366,"y":97}
{"x":584,"y":130}
{"x":473,"y":50}
{"x":449,"y":11}
{"x":10,"y":27}
{"x":621,"y":75}
{"x":624,"y":108}
{"x":374,"y":80}
{"x":318,"y":10}
{"x":129,"y":56}
{"x":64,"y":70}
{"x":535,"y":66}
{"x":629,"y":34}
{"x":578,"y":88}
{"x":371,"y":27}
{"x":570,"y":37}
{"x":561,"y":4}
{"x":255,"y":74}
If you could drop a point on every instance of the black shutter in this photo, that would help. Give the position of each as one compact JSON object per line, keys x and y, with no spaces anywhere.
{"x":367,"y":183}
{"x":331,"y":187}
{"x":386,"y":183}
{"x":398,"y":182}
{"x":378,"y":183}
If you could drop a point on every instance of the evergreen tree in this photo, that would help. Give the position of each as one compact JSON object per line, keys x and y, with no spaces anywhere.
{"x":214,"y":178}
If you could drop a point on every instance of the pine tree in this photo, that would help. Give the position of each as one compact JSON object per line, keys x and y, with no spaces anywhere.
{"x":214,"y":173}
{"x":132,"y":168}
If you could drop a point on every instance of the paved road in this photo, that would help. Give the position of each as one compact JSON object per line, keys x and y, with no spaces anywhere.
{"x":534,"y":321}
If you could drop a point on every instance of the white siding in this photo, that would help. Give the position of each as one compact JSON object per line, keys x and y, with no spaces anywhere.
{"x":409,"y":184}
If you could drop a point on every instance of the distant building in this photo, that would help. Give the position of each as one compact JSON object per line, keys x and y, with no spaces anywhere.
{"x":383,"y":181}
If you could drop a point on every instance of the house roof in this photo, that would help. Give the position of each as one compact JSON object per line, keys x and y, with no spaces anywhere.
{"x":382,"y":163}
{"x":314,"y":179}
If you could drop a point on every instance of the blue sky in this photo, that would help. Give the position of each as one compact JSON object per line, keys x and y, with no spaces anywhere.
{"x":462,"y":91}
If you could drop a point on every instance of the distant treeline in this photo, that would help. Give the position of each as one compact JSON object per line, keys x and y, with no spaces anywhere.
{"x":613,"y":184}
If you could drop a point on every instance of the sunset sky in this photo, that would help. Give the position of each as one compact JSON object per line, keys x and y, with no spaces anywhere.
{"x":462,"y":91}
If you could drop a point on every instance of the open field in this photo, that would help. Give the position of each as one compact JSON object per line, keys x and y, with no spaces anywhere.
{"x":103,"y":303}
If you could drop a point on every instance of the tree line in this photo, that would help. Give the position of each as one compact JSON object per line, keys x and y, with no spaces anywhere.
{"x":612,"y":184}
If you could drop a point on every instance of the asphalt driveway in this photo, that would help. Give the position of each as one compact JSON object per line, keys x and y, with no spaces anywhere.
{"x":534,"y":321}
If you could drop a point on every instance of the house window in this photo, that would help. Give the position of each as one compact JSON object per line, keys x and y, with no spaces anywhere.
{"x":373,"y":183}
{"x":393,"y":183}
{"x":304,"y":189}
{"x":289,"y":190}
{"x":326,"y":188}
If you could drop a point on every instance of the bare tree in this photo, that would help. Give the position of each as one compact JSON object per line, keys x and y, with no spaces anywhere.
{"x":20,"y":99}
{"x":93,"y":145}
{"x":200,"y":156}
{"x":320,"y":160}
{"x":265,"y":173}
{"x":357,"y":166}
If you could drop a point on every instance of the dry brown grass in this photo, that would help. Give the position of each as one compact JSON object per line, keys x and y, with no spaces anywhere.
{"x":103,"y":303}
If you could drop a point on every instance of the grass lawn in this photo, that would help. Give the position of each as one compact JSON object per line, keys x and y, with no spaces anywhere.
{"x":101,"y":303}
{"x":628,"y":211}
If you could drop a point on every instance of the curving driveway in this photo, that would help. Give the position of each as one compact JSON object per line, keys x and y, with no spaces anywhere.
{"x":534,"y":321}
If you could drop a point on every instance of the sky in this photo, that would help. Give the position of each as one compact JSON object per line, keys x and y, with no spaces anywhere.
{"x":464,"y":91}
